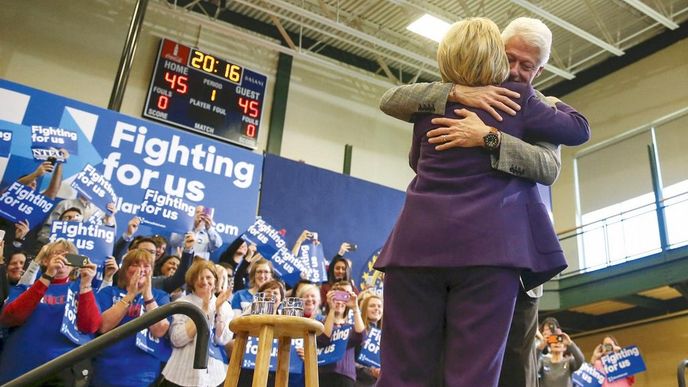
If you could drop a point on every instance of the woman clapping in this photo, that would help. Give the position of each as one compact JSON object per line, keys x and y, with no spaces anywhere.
{"x":201,"y":280}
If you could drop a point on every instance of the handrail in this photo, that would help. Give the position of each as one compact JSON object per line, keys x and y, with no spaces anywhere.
{"x":561,"y":234}
{"x":89,"y":349}
{"x":681,"y":373}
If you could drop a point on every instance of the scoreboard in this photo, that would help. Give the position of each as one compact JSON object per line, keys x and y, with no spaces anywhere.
{"x":203,"y":93}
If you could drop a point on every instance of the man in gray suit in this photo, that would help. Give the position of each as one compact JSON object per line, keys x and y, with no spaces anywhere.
{"x":527,"y":52}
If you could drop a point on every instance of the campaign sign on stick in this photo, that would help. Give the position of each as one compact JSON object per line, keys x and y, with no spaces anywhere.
{"x":270,"y":244}
{"x":370,"y":350}
{"x":95,"y":187}
{"x":335,"y":350}
{"x":251,"y":352}
{"x":92,"y":240}
{"x":47,"y":138}
{"x":626,"y":362}
{"x":587,"y":376}
{"x":20,"y":202}
{"x":166,"y":212}
{"x":68,"y":327}
{"x":5,"y":143}
{"x":317,"y":264}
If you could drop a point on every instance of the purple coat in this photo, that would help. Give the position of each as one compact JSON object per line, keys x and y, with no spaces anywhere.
{"x":460,"y":212}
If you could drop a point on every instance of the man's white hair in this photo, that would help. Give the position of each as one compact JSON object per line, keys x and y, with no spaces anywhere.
{"x":533,"y":32}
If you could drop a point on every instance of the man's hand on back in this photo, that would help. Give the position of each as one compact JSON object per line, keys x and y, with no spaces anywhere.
{"x":465,"y":132}
{"x":487,"y":98}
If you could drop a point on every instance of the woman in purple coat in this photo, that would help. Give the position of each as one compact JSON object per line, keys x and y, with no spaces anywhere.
{"x":467,"y":234}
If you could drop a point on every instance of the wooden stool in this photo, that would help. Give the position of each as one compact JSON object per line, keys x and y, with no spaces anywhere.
{"x":266,"y":328}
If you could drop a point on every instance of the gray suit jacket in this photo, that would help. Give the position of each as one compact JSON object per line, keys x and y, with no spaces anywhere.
{"x":540,"y":162}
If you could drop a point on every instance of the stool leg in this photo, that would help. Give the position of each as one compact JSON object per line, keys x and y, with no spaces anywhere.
{"x":260,"y":374}
{"x":283,"y":354}
{"x":310,"y":360}
{"x":237,"y":358}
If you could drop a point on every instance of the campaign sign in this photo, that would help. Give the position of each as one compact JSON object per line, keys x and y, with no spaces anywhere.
{"x":68,"y":327}
{"x":135,"y":155}
{"x":270,"y":244}
{"x":166,"y":212}
{"x":626,"y":362}
{"x":587,"y":376}
{"x":317,"y":264}
{"x":20,"y":202}
{"x":249,"y":362}
{"x":5,"y":143}
{"x":92,"y":240}
{"x":93,"y":186}
{"x":53,"y":138}
{"x":370,"y":350}
{"x":335,"y":350}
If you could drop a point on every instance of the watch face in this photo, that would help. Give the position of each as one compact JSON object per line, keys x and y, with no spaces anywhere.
{"x":491,"y":141}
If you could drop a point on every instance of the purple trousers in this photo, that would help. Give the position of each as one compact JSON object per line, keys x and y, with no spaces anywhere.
{"x":447,"y":324}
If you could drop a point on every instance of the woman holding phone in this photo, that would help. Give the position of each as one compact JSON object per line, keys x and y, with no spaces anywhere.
{"x":340,"y":301}
{"x":39,"y":314}
{"x":609,"y":345}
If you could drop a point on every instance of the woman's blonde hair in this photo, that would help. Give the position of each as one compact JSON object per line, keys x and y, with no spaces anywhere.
{"x":51,"y":248}
{"x":195,"y":271}
{"x":133,"y":257}
{"x":364,"y":310}
{"x":472,"y":54}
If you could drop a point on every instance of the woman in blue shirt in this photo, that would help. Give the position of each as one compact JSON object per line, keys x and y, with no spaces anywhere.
{"x":135,"y":360}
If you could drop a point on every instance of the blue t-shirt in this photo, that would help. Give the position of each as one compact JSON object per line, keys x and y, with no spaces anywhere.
{"x":41,"y":332}
{"x":124,"y":364}
{"x":242,"y":299}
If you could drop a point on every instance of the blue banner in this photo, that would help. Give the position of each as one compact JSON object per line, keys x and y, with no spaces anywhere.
{"x":53,"y":138}
{"x":270,"y":244}
{"x":335,"y":350}
{"x":295,"y":362}
{"x":166,"y":212}
{"x":68,"y":327}
{"x":93,"y":186}
{"x":20,"y":202}
{"x":136,"y":155}
{"x":317,"y":264}
{"x":5,"y":143}
{"x":370,"y":349}
{"x":587,"y":376}
{"x":626,"y":362}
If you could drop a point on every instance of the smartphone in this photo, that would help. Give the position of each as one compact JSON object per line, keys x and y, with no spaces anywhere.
{"x":2,"y":234}
{"x":52,"y":160}
{"x":608,"y":347}
{"x":314,"y":236}
{"x":76,"y":260}
{"x":352,"y":246}
{"x":553,"y":339}
{"x":340,"y":295}
{"x":209,"y":212}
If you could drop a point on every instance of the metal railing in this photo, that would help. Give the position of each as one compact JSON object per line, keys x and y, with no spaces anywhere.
{"x":620,"y":225}
{"x":681,"y":373}
{"x":92,"y":347}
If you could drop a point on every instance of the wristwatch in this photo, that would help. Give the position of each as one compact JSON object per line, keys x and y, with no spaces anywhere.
{"x":492,"y":140}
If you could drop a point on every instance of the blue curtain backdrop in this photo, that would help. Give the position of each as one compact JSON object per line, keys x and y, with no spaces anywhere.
{"x":296,"y":196}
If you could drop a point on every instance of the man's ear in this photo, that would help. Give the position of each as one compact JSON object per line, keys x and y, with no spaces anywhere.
{"x":539,"y":71}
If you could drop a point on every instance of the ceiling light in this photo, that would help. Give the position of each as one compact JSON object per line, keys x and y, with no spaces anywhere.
{"x":430,"y":27}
